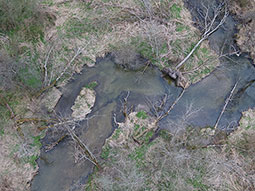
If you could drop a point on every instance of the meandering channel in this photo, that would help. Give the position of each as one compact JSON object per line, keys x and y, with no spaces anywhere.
{"x":57,"y":168}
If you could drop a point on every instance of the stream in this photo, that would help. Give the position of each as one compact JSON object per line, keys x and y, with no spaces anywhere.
{"x":58,"y":171}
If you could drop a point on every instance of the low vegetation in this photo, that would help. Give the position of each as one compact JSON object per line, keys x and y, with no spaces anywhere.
{"x":245,"y":11}
{"x":19,"y":141}
{"x":42,"y":43}
{"x":22,"y":28}
{"x":188,"y":159}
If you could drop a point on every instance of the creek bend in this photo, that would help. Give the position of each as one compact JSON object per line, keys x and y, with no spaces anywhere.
{"x":207,"y":97}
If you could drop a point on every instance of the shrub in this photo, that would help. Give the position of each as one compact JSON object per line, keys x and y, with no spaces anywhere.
{"x":22,"y":24}
{"x":15,"y":13}
{"x":23,"y":21}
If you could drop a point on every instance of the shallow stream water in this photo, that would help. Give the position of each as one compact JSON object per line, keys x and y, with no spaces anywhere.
{"x":58,"y":171}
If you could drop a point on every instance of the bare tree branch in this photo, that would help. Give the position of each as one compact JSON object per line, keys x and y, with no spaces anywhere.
{"x":45,"y":67}
{"x":225,"y":105}
{"x":172,"y":106}
{"x":209,"y":28}
{"x":87,"y":153}
{"x":78,"y":52}
{"x":60,"y":75}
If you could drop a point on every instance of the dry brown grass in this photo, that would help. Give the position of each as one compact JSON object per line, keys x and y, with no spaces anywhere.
{"x":186,"y":160}
{"x":19,"y":142}
{"x":245,"y":11}
{"x":15,"y":174}
{"x":161,"y":31}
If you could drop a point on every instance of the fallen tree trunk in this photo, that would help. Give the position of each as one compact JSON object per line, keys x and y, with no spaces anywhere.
{"x":209,"y":27}
{"x":225,"y":105}
{"x":88,"y":154}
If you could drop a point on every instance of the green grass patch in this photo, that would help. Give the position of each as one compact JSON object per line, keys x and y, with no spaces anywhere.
{"x":181,"y":27}
{"x":30,"y":77}
{"x":105,"y":152}
{"x":197,"y":183}
{"x":92,"y":85}
{"x":165,"y":135}
{"x":32,"y":160}
{"x":176,"y":11}
{"x":1,"y":131}
{"x":143,"y":48}
{"x":37,"y":142}
{"x":142,"y":115}
{"x":205,"y":51}
{"x":116,"y":134}
{"x":90,"y":25}
{"x":148,"y":136}
{"x":139,"y":154}
{"x":136,"y":127}
{"x":189,"y":49}
{"x":76,"y":28}
{"x":48,"y":2}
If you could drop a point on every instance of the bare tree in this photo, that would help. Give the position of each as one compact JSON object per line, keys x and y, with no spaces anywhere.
{"x":210,"y":26}
{"x":51,"y":75}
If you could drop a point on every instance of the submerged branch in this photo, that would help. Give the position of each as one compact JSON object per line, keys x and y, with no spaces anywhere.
{"x":225,"y":105}
{"x":87,"y":153}
{"x":172,"y":106}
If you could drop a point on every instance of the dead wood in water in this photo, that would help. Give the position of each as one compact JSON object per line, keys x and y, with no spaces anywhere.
{"x":172,"y":106}
{"x":176,"y":76}
{"x":87,"y":153}
{"x":225,"y":105}
{"x":209,"y":26}
{"x":51,"y":146}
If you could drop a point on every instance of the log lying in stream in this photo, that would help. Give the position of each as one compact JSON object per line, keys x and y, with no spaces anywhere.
{"x":87,"y":153}
{"x":225,"y":105}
